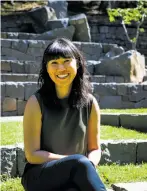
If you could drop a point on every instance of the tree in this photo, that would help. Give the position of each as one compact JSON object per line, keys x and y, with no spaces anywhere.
{"x":129,"y":16}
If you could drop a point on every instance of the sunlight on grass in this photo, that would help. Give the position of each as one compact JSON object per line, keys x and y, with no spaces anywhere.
{"x":118,"y":133}
{"x":12,"y":133}
{"x":111,"y":174}
{"x":124,"y":111}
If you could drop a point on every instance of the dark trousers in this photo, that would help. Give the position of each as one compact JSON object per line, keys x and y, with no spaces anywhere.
{"x":74,"y":172}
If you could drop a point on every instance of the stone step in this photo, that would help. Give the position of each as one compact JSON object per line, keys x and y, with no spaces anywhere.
{"x":131,"y":186}
{"x":16,"y":49}
{"x":109,"y":95}
{"x":19,"y":77}
{"x":119,"y":152}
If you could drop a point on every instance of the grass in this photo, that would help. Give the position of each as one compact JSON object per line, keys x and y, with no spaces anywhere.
{"x":109,"y":174}
{"x":12,"y":133}
{"x":133,"y":111}
{"x":7,"y":8}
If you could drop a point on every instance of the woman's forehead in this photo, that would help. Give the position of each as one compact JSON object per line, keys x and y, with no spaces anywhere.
{"x":61,"y":59}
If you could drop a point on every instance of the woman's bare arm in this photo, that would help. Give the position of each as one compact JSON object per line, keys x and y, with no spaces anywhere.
{"x":32,"y":134}
{"x":94,"y":149}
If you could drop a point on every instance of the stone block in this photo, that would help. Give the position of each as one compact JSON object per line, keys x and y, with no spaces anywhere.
{"x":142,"y":103}
{"x":120,"y":152}
{"x":141,"y":151}
{"x":5,"y":66}
{"x":134,"y":121}
{"x":9,"y":113}
{"x":122,"y":89}
{"x":35,"y":51}
{"x":110,"y":119}
{"x":145,"y":87}
{"x":59,"y":23}
{"x":9,"y":104}
{"x":35,"y":43}
{"x":109,"y":79}
{"x":3,"y":89}
{"x":98,"y":79}
{"x":21,"y":45}
{"x":17,"y":66}
{"x":127,"y":104}
{"x":104,"y":89}
{"x":5,"y":43}
{"x":30,"y":89}
{"x":4,"y":35}
{"x":112,"y":102}
{"x":82,"y":30}
{"x":90,"y":67}
{"x":60,"y":8}
{"x":131,"y":186}
{"x":15,"y":54}
{"x":15,"y":90}
{"x":104,"y":29}
{"x":32,"y":67}
{"x":21,"y":106}
{"x":138,"y":96}
{"x":119,"y":79}
{"x":92,"y":49}
{"x":67,"y":32}
{"x":78,"y":45}
{"x":8,"y":160}
{"x":43,"y":14}
{"x":20,"y":159}
{"x":134,"y":88}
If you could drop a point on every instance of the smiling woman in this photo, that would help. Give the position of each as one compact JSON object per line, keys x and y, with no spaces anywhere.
{"x":62,"y":125}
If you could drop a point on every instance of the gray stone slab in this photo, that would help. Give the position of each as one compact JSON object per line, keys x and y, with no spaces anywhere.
{"x":113,"y":102}
{"x":20,"y":159}
{"x":122,"y":89}
{"x":134,"y":88}
{"x":15,"y":90}
{"x":110,"y":119}
{"x":142,"y":151}
{"x":21,"y":106}
{"x":131,"y":186}
{"x":35,"y":44}
{"x":17,"y":66}
{"x":3,"y":89}
{"x":35,"y":51}
{"x":8,"y":160}
{"x":105,"y":89}
{"x":59,"y":23}
{"x":82,"y":30}
{"x":60,"y":7}
{"x":5,"y":66}
{"x":134,"y":121}
{"x":120,"y":152}
{"x":138,"y":96}
{"x":6,"y":43}
{"x":32,"y":67}
{"x":21,"y":45}
{"x":142,"y":103}
{"x":30,"y":89}
{"x":98,"y":78}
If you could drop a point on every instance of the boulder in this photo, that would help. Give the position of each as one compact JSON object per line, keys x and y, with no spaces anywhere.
{"x":60,"y":7}
{"x":59,"y":32}
{"x":59,"y":23}
{"x":43,"y":14}
{"x":130,"y":65}
{"x":82,"y":30}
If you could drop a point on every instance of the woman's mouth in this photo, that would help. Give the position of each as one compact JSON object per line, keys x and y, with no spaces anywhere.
{"x":63,"y":76}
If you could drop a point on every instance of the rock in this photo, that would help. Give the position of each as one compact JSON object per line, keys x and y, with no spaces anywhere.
{"x":60,"y":7}
{"x":110,"y":119}
{"x":43,"y":15}
{"x":141,"y":151}
{"x":82,"y":30}
{"x":20,"y":159}
{"x":130,"y":65}
{"x":60,"y":32}
{"x":131,"y":186}
{"x":21,"y":106}
{"x":9,"y":104}
{"x":59,"y":23}
{"x":8,"y":160}
{"x":30,"y":89}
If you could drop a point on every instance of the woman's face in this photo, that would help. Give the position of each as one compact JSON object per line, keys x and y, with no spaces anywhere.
{"x":62,"y":71}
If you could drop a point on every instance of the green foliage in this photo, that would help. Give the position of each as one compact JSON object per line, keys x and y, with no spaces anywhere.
{"x":129,"y":14}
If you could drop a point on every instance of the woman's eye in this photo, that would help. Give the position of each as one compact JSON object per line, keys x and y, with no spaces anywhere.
{"x":67,"y":61}
{"x":54,"y":63}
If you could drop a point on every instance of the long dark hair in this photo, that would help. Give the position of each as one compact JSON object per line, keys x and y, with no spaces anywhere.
{"x":79,"y":96}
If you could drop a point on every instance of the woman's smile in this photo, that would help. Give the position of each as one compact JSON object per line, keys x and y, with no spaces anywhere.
{"x":63,"y":76}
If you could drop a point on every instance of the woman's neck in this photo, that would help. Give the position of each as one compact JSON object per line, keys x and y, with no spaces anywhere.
{"x":63,"y":91}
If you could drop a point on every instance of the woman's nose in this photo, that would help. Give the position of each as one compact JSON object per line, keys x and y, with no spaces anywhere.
{"x":61,"y":67}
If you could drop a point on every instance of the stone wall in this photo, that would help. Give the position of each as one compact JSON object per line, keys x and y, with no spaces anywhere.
{"x":105,"y":32}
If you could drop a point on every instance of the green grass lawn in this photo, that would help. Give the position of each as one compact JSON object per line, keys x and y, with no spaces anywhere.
{"x":12,"y":133}
{"x":134,"y":111}
{"x":109,"y":174}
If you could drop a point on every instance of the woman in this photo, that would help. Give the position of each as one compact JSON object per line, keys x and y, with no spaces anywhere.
{"x":62,"y":125}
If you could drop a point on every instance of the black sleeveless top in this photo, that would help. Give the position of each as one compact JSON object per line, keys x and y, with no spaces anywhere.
{"x":64,"y":130}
